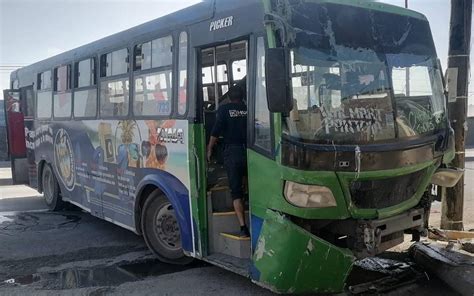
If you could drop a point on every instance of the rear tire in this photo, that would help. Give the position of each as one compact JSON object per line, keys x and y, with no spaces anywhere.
{"x":51,"y":191}
{"x":161,"y":231}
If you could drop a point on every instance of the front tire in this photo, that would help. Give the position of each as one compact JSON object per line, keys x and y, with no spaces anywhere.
{"x":51,"y":191}
{"x":161,"y":231}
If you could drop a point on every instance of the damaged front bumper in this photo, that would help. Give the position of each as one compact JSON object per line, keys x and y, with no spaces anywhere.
{"x":375,"y":236}
{"x":289,"y":258}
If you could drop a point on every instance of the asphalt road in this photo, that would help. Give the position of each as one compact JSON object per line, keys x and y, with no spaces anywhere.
{"x":74,"y":253}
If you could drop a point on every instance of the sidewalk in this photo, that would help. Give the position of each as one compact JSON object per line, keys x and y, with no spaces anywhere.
{"x":469,"y":154}
{"x":17,"y":197}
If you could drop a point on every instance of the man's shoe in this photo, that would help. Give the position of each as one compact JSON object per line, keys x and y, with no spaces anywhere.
{"x":244,"y":232}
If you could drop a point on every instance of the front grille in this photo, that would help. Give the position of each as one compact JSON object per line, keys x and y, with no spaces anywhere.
{"x":383,"y":193}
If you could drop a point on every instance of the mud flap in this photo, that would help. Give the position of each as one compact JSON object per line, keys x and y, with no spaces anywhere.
{"x":288,"y":259}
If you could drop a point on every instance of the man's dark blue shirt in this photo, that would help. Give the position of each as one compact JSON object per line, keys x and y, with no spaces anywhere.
{"x":231,"y":123}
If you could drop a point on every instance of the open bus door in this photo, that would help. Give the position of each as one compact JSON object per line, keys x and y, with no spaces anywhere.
{"x":15,"y":121}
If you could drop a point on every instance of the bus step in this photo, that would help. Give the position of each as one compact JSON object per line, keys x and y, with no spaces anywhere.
{"x":233,"y":245}
{"x":222,"y":222}
{"x":230,"y":213}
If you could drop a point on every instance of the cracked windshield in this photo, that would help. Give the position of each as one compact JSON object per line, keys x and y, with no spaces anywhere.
{"x":375,"y":82}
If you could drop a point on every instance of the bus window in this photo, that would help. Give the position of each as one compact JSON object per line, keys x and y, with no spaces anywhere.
{"x":182,"y":70}
{"x":15,"y":84}
{"x":114,"y":63}
{"x":28,"y":103}
{"x":44,"y":98}
{"x":154,"y":54}
{"x":114,"y":96}
{"x":161,"y":52}
{"x":85,"y":99}
{"x":208,"y":82}
{"x":62,"y":94}
{"x":143,"y":56}
{"x":153,"y":93}
{"x":239,"y":70}
{"x":84,"y":73}
{"x":44,"y":80}
{"x":85,"y":103}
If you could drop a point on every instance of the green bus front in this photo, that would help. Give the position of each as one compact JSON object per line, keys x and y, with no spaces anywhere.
{"x":362,"y":129}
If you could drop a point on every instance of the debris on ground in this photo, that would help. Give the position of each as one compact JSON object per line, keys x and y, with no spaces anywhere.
{"x":380,"y":275}
{"x":447,"y":261}
{"x":467,"y":245}
{"x":438,"y":234}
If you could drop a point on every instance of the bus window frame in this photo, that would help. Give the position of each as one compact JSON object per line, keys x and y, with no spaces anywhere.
{"x":174,"y":76}
{"x":75,"y":89}
{"x":101,"y":79}
{"x":68,"y":90}
{"x":252,"y":71}
{"x":176,"y":61}
{"x":37,"y":90}
{"x":24,"y":103}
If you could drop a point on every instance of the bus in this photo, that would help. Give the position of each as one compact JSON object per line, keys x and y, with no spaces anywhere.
{"x":347,"y":133}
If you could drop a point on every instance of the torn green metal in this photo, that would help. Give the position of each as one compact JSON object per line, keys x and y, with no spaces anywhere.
{"x":292,"y":260}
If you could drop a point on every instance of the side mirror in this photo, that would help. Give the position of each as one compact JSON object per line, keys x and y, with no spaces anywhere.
{"x":447,"y":177}
{"x":278,"y":81}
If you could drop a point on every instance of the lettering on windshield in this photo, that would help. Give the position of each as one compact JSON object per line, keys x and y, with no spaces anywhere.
{"x":421,"y":121}
{"x":221,"y":23}
{"x":358,"y":120}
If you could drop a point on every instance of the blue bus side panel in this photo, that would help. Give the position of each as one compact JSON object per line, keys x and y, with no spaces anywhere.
{"x":99,"y":163}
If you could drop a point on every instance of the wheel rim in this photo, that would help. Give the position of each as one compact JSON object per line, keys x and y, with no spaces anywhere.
{"x":166,"y":228}
{"x":48,"y":185}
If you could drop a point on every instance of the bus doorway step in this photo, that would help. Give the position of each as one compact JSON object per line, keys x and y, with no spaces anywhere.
{"x":238,"y":265}
{"x":233,"y":245}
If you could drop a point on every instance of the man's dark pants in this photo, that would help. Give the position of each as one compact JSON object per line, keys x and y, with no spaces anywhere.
{"x":235,"y":162}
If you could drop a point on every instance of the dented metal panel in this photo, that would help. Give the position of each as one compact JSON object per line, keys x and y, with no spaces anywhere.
{"x":288,"y":259}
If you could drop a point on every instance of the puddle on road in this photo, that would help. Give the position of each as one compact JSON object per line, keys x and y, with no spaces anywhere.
{"x":102,"y":275}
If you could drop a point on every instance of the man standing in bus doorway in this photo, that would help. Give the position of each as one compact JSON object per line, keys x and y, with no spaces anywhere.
{"x":231,"y":124}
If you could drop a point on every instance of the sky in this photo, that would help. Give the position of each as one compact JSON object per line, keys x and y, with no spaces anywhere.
{"x":32,"y":30}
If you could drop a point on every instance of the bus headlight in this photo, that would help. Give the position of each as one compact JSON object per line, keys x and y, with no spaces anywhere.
{"x":309,"y":196}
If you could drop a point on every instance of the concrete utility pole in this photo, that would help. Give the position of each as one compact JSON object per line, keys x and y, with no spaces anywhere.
{"x":407,"y":70}
{"x":458,"y":79}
